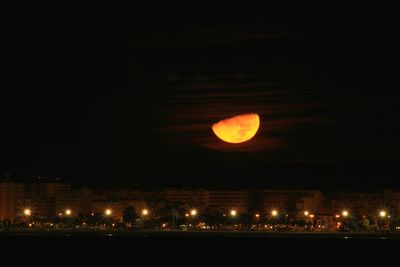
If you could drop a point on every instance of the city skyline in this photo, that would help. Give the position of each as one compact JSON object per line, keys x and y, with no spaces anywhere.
{"x":51,"y":199}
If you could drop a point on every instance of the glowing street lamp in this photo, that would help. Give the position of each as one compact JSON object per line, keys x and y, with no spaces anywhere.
{"x":145,"y":212}
{"x":27,"y":212}
{"x":108,"y":212}
{"x":233,"y":213}
{"x":382,"y":213}
{"x":345,"y":213}
{"x":258,"y":219}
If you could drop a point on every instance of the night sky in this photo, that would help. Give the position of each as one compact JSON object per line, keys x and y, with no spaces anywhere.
{"x":118,"y":95}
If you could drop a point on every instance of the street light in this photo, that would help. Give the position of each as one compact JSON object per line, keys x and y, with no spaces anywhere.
{"x":27,"y":212}
{"x":193,"y":212}
{"x":108,"y":212}
{"x":258,"y":220}
{"x":382,"y":213}
{"x":345,"y":213}
{"x":233,"y":213}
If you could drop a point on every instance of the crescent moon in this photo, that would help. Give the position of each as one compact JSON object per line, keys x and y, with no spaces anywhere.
{"x":237,"y":129}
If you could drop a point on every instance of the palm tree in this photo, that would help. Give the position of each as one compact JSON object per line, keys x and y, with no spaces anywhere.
{"x":172,"y":212}
{"x":129,"y":215}
{"x":213,"y":218}
{"x":175,"y":216}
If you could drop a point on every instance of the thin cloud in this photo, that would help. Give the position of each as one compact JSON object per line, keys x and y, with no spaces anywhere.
{"x":282,"y":110}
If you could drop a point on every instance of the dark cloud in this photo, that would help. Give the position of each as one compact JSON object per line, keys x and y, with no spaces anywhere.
{"x":135,"y":96}
{"x":189,"y":110}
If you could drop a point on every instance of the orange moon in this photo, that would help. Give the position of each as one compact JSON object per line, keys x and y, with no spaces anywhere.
{"x":237,"y":129}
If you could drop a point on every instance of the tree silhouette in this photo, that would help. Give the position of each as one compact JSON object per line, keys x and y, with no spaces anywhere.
{"x":129,"y":214}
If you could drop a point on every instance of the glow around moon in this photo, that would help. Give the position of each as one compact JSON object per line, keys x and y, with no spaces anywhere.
{"x":237,"y":129}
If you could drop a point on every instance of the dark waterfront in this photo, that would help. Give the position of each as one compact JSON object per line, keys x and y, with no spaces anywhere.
{"x":199,"y":248}
{"x":198,"y":234}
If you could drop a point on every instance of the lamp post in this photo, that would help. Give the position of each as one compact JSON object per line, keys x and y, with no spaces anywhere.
{"x":233,"y":214}
{"x":108,"y":213}
{"x":274,"y":215}
{"x":193,"y":214}
{"x":27,"y":214}
{"x":145,"y":212}
{"x":345,"y":222}
{"x":258,"y":220}
{"x":383,"y":215}
{"x":306,"y":213}
{"x":145,"y":215}
{"x":345,"y":213}
{"x":67,"y":213}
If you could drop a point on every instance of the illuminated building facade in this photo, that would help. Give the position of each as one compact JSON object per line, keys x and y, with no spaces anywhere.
{"x":51,"y":198}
